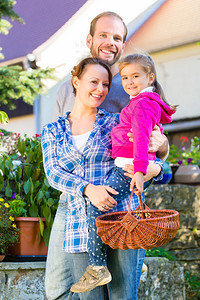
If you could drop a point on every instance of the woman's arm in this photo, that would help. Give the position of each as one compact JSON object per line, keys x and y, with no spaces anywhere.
{"x":58,"y":177}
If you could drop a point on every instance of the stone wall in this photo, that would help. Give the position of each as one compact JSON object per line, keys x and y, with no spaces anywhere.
{"x":186,"y":200}
{"x":25,"y":281}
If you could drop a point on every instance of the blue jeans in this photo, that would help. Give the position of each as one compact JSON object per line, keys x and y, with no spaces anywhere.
{"x":96,"y":248}
{"x":63,"y":269}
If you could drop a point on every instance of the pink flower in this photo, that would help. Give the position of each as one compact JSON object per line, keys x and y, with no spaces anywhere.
{"x":1,"y":133}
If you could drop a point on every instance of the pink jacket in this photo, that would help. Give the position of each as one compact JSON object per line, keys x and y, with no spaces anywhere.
{"x":141,"y":114}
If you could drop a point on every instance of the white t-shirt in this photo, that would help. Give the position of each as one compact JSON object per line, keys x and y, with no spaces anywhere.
{"x":80,"y":140}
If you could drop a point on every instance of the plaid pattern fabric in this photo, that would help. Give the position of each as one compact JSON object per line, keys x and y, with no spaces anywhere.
{"x":69,"y":171}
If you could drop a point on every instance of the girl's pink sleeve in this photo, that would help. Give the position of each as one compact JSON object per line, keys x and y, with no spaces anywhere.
{"x":145,"y":115}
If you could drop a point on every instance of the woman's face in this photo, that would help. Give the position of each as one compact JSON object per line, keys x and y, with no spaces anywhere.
{"x":92,"y":86}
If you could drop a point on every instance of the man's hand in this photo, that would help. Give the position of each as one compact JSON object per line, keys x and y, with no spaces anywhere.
{"x":99,"y":196}
{"x":158,"y":142}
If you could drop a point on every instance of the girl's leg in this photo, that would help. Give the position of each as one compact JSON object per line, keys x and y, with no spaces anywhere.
{"x":78,"y":263}
{"x":96,"y":248}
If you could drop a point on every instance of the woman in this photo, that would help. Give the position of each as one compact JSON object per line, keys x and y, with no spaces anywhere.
{"x":77,"y":157}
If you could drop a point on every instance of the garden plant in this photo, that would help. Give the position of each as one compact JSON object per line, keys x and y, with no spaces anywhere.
{"x":23,"y":182}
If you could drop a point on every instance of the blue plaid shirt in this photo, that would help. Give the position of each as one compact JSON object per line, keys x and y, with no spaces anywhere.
{"x":70,"y":171}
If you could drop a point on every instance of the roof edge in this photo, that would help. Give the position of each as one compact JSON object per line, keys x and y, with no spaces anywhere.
{"x":143,"y":17}
{"x":43,"y":46}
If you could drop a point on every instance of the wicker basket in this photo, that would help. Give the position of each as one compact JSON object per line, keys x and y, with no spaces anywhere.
{"x":141,"y":228}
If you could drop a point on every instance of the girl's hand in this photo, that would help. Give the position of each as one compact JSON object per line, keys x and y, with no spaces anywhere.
{"x":99,"y":196}
{"x":152,"y":171}
{"x":137,"y":181}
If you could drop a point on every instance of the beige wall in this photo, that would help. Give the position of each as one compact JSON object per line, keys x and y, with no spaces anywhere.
{"x":178,"y":71}
{"x":22,"y":125}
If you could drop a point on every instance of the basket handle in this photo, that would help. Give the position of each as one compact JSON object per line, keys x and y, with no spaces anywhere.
{"x":140,"y":204}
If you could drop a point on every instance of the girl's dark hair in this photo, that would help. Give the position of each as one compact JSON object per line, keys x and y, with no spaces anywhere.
{"x":81,"y":68}
{"x":148,"y":66}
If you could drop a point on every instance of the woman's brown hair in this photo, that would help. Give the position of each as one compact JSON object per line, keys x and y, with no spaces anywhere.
{"x":81,"y":68}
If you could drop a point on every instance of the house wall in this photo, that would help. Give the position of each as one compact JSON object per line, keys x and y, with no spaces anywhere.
{"x":22,"y":125}
{"x":178,"y":71}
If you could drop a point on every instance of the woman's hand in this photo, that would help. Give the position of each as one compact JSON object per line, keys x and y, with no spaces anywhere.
{"x":152,"y":171}
{"x":158,"y":142}
{"x":99,"y":196}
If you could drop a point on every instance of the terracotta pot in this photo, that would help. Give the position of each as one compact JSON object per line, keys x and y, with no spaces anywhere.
{"x":28,"y":239}
{"x":2,"y":256}
{"x":187,"y":174}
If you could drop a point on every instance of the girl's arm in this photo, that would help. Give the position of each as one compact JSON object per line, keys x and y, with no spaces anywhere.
{"x":145,"y":115}
{"x":153,"y":170}
{"x":158,"y":143}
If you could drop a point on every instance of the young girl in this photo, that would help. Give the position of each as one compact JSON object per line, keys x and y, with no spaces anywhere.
{"x":146,"y":109}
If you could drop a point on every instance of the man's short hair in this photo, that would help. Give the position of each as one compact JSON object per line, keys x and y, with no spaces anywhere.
{"x":107,"y":14}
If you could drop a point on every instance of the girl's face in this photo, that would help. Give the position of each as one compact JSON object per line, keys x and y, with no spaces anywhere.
{"x":92,"y":86}
{"x":134,"y":79}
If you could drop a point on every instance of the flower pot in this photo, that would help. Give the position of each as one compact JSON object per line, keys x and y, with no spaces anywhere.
{"x":174,"y":169}
{"x":167,"y":174}
{"x":28,"y":244}
{"x":2,"y":256}
{"x":189,"y":174}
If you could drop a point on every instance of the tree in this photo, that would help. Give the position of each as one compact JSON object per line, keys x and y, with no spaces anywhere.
{"x":15,"y":82}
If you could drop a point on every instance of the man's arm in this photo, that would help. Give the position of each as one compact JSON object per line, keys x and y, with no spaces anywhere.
{"x":64,"y":100}
{"x":159,"y":144}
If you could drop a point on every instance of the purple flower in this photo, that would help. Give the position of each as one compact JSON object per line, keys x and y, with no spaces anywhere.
{"x":180,"y":162}
{"x":189,"y":160}
{"x":14,"y":195}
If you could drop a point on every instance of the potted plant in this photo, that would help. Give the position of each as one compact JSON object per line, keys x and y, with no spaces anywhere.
{"x":23,"y":182}
{"x":9,"y":233}
{"x":186,"y":158}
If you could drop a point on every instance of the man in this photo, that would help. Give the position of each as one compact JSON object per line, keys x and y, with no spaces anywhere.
{"x":106,"y":41}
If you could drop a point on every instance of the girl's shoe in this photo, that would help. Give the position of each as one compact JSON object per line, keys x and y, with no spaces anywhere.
{"x":91,"y":279}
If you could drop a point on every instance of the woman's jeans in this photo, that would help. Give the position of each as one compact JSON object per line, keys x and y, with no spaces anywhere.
{"x":63,"y":269}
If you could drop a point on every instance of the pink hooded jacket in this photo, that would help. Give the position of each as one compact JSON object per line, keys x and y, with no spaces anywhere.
{"x":141,"y":114}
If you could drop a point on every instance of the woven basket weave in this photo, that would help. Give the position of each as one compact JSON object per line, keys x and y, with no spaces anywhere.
{"x":141,"y":228}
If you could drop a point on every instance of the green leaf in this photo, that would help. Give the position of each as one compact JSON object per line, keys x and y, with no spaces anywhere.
{"x":50,"y":202}
{"x":1,"y":182}
{"x":27,"y":186}
{"x":33,"y":210}
{"x":3,"y":118}
{"x":47,"y":213}
{"x":46,"y":235}
{"x":8,"y":191}
{"x":41,"y":224}
{"x":40,"y":195}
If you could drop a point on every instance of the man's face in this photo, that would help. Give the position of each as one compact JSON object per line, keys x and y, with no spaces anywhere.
{"x":107,"y":42}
